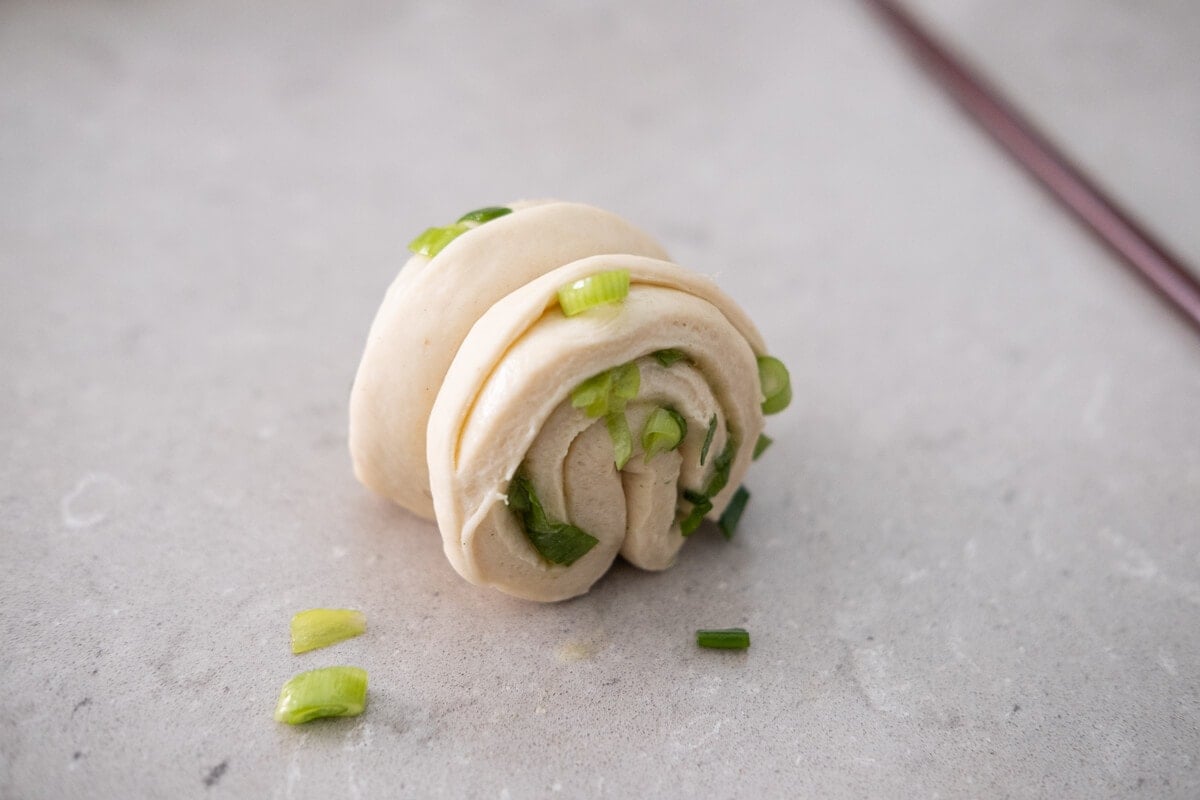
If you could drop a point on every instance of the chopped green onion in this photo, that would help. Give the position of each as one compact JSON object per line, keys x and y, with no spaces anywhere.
{"x":431,"y":242}
{"x":665,"y":428}
{"x":733,"y":512}
{"x":607,"y":391}
{"x":592,"y":395}
{"x":702,"y":501}
{"x":708,"y":437}
{"x":625,"y":382}
{"x":776,"y":384}
{"x":761,"y":445}
{"x":327,"y":692}
{"x":622,"y":439}
{"x":669,"y":356}
{"x":721,"y":468}
{"x":724,"y":639}
{"x":689,"y":524}
{"x":321,"y":627}
{"x":557,"y":542}
{"x":594,"y":290}
{"x":700,"y":506}
{"x":606,"y":395}
{"x":482,"y":215}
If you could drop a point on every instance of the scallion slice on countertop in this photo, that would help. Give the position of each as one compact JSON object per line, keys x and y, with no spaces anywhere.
{"x":776,"y":384}
{"x":321,"y":627}
{"x":326,"y":692}
{"x":761,"y":445}
{"x":482,"y":215}
{"x":724,"y":638}
{"x":733,"y":512}
{"x":594,"y":290}
{"x":665,"y":428}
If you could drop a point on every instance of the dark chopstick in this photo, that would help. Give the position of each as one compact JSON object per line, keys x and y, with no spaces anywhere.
{"x":1161,"y":269}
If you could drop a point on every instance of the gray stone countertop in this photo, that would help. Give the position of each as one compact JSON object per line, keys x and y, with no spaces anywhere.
{"x":971,"y":566}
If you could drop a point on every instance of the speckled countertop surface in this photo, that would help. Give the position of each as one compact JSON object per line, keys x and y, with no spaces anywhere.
{"x":972,"y":562}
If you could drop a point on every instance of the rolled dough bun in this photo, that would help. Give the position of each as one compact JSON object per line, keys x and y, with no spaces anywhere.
{"x":467,"y":378}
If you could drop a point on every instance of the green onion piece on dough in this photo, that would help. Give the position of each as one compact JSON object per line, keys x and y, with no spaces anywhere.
{"x":482,"y":215}
{"x":721,"y":468}
{"x":669,"y":356}
{"x":622,"y":439}
{"x":708,"y":437}
{"x":607,"y":391}
{"x":431,"y":242}
{"x":594,"y":290}
{"x":593,"y":394}
{"x":724,"y":639}
{"x":606,"y":395}
{"x":761,"y":445}
{"x":665,"y":428}
{"x":733,"y":512}
{"x":626,"y":380}
{"x":701,"y":505}
{"x":776,"y":384}
{"x":328,"y":692}
{"x":702,"y":501}
{"x":321,"y":627}
{"x":557,"y":542}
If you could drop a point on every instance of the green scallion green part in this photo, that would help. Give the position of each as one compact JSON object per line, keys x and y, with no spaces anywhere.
{"x":557,"y":542}
{"x":665,"y":428}
{"x":724,"y":638}
{"x":482,"y":215}
{"x":761,"y":445}
{"x":622,"y":439}
{"x":626,"y":381}
{"x":606,"y":395}
{"x":708,"y":437}
{"x":776,"y":384}
{"x":607,"y":391}
{"x":702,"y":501}
{"x":721,"y":468}
{"x":594,"y":290}
{"x":327,"y":692}
{"x":669,"y":356}
{"x":321,"y":627}
{"x":431,"y":242}
{"x":733,"y":512}
{"x":593,"y":394}
{"x":701,"y":505}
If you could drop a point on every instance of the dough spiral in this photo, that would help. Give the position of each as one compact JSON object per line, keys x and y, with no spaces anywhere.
{"x":466,"y":384}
